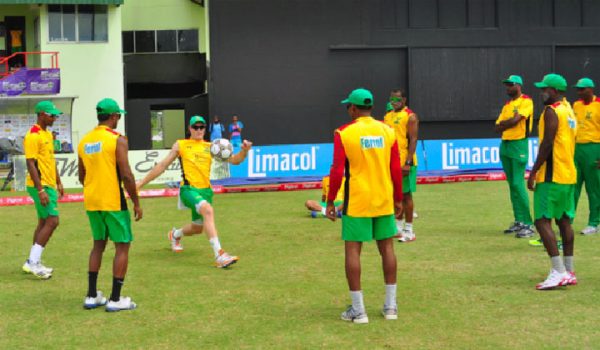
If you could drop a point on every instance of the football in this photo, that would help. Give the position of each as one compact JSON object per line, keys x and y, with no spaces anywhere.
{"x":221,"y":149}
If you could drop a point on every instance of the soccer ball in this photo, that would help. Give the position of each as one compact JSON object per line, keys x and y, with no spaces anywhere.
{"x":221,"y":149}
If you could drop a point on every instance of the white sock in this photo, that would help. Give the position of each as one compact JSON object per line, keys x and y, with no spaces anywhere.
{"x":357,"y":301}
{"x":390,"y":296}
{"x":408,"y":227}
{"x":178,"y":233}
{"x":323,"y":210}
{"x":216,"y":245}
{"x":399,"y":225}
{"x":35,"y":254}
{"x":569,"y":263}
{"x":557,"y":264}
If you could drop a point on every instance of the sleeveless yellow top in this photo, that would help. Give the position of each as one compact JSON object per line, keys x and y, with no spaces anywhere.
{"x":560,"y":166}
{"x":102,"y":188}
{"x":399,"y":122}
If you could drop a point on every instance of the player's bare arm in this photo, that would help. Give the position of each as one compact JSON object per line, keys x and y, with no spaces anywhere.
{"x":59,"y":185}
{"x":37,"y":181}
{"x":241,"y":155}
{"x":545,"y":150}
{"x":127,"y":175}
{"x":81,"y":171}
{"x":160,"y":167}
{"x":509,"y":123}
{"x":412,"y":129}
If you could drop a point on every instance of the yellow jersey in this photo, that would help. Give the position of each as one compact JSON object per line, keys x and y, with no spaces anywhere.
{"x":38,"y":145}
{"x":588,"y":121}
{"x":195,"y":160}
{"x":399,"y":122}
{"x":523,"y":105}
{"x":325,"y":186}
{"x":102,"y":189}
{"x":369,"y":190}
{"x":560,"y":167}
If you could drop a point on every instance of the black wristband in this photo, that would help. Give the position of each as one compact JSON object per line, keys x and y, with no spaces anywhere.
{"x":409,"y":162}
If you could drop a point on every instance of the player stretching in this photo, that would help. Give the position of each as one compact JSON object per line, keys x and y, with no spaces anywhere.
{"x":406,"y":126}
{"x":366,"y":153}
{"x":103,"y":164}
{"x":195,"y":191}
{"x":42,"y":182}
{"x":553,"y":179}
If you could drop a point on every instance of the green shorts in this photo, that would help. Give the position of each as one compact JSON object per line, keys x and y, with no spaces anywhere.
{"x":44,"y":211}
{"x":409,"y":182}
{"x":115,"y":225}
{"x":335,"y":203}
{"x":553,"y":201}
{"x":357,"y":229}
{"x":191,"y":196}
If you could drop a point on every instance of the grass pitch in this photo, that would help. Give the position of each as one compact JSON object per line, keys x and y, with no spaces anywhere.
{"x":462,"y":284}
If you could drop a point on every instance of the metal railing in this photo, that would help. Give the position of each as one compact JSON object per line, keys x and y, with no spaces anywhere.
{"x":5,"y":68}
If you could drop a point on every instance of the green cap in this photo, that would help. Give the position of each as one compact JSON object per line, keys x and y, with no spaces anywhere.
{"x":109,"y":106}
{"x":360,"y":97}
{"x":47,"y":107}
{"x":389,"y":107}
{"x":197,"y":119}
{"x":552,"y":80}
{"x":584,"y":83}
{"x":515,"y":79}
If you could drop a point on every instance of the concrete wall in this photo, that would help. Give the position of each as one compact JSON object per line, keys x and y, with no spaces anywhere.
{"x":91,"y":71}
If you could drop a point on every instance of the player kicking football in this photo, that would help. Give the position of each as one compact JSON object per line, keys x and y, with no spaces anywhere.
{"x":195,"y":192}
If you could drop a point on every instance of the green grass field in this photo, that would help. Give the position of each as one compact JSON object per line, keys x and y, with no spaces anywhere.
{"x":462,"y":285}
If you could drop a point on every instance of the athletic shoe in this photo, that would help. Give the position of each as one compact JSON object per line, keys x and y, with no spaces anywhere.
{"x":175,"y":242}
{"x":554,"y":279}
{"x":45,"y":268}
{"x":526,"y":231}
{"x":225,"y":260}
{"x":407,"y":236}
{"x":124,"y":303}
{"x":314,"y":214}
{"x":390,"y":313}
{"x":339,"y":213}
{"x":354,"y":316}
{"x":92,"y":303}
{"x":590,"y":230}
{"x":572,"y":278}
{"x":514,"y":227}
{"x":536,"y":242}
{"x":37,"y":269}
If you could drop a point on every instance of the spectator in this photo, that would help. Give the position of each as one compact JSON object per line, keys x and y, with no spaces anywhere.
{"x":235,"y":132}
{"x":56,"y":143}
{"x":216,"y":129}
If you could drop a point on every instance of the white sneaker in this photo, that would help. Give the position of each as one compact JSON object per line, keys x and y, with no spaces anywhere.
{"x":407,"y":236}
{"x":354,"y":316}
{"x":390,"y":313}
{"x":37,"y":269}
{"x":554,"y":279}
{"x":45,"y":268}
{"x":589,"y":230}
{"x":92,"y":303}
{"x":124,"y":303}
{"x":175,"y":242}
{"x":225,"y":260}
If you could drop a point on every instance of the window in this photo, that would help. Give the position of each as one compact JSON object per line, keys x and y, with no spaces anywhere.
{"x":151,"y":41}
{"x":128,"y":42}
{"x":166,"y":40}
{"x":78,"y":23}
{"x":144,"y":41}
{"x":187,"y":40}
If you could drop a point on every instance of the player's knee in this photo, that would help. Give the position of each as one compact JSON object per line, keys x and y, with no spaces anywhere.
{"x":52,"y":222}
{"x":206,"y":210}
